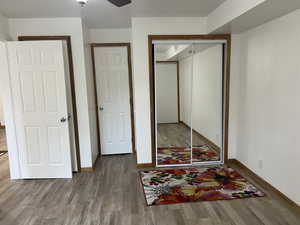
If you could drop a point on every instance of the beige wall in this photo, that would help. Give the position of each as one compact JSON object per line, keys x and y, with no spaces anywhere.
{"x":110,"y":35}
{"x":141,"y":28}
{"x":265,"y":92}
{"x":206,"y":92}
{"x":4,"y":35}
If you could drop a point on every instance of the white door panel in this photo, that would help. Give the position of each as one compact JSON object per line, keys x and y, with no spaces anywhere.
{"x":112,"y":78}
{"x":39,"y":96}
{"x":167,"y":92}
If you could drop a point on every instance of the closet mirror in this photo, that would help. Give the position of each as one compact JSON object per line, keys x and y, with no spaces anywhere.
{"x":189,"y":96}
{"x":207,"y":101}
{"x":173,"y":106}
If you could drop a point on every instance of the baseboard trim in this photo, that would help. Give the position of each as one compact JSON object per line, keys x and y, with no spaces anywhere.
{"x":145,"y":166}
{"x":209,"y":142}
{"x":87,"y":169}
{"x":90,"y":169}
{"x":264,"y":183}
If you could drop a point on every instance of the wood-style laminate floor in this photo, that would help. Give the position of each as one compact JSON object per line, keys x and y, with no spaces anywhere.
{"x":177,"y":135}
{"x":3,"y":145}
{"x":113,"y":195}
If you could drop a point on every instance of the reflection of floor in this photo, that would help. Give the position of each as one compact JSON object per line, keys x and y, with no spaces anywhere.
{"x":176,"y":135}
{"x":174,"y":141}
{"x":167,"y":156}
{"x":3,"y":145}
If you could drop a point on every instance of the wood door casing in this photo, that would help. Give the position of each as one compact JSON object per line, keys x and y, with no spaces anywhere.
{"x":66,"y":38}
{"x":94,"y":46}
{"x":226,"y":82}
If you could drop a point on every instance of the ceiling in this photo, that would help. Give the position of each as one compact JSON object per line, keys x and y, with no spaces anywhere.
{"x":102,"y":14}
{"x":170,"y":8}
{"x":97,"y":13}
{"x":162,"y":50}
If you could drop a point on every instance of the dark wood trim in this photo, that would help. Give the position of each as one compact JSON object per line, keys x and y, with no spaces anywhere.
{"x":125,"y":44}
{"x":131,"y":97}
{"x":189,"y":37}
{"x":168,"y":123}
{"x":128,"y":46}
{"x":209,"y":142}
{"x":152,"y":99}
{"x":167,"y":62}
{"x":263,"y":182}
{"x":72,"y":82}
{"x":2,"y":127}
{"x":87,"y":169}
{"x":91,"y":169}
{"x":226,"y":82}
{"x":96,"y":99}
{"x":145,"y":166}
{"x":226,"y":96}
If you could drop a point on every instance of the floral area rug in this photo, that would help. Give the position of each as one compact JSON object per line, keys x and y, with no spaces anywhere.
{"x":195,"y":184}
{"x":173,"y":155}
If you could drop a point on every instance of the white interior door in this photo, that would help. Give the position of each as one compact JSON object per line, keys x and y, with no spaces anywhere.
{"x":112,"y":79}
{"x":167,"y":93}
{"x":70,"y":109}
{"x":40,"y":108}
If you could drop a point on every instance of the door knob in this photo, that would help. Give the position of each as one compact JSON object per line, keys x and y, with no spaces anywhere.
{"x":101,"y":108}
{"x":63,"y":119}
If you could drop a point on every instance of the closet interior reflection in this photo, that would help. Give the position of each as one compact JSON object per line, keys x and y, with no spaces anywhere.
{"x":189,"y":102}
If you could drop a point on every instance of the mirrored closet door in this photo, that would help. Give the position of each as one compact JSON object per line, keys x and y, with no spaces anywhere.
{"x":207,"y":102}
{"x":173,"y":138}
{"x":188,"y":103}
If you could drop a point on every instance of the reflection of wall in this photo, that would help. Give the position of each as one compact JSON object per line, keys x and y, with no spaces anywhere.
{"x":166,"y":93}
{"x":207,"y":93}
{"x":185,"y":71}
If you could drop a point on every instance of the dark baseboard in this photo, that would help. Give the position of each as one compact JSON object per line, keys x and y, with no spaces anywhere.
{"x":145,"y":166}
{"x":209,"y":142}
{"x":87,"y":169}
{"x":264,"y":183}
{"x":168,"y":123}
{"x":90,"y":169}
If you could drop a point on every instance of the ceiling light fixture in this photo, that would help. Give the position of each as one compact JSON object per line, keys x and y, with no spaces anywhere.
{"x":82,"y":2}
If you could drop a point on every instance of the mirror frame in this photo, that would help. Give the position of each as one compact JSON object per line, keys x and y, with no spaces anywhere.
{"x":226,"y":83}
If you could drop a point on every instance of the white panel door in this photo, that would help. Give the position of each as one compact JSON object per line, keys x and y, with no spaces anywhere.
{"x":40,"y":108}
{"x":112,"y":79}
{"x":167,"y":93}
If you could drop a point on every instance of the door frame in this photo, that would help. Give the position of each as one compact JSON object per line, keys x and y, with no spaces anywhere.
{"x":226,"y":83}
{"x":128,"y":46}
{"x":66,"y":38}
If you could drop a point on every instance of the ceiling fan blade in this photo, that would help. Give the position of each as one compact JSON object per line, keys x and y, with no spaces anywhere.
{"x":120,"y":3}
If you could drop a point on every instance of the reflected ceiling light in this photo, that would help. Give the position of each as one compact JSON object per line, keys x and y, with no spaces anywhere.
{"x":82,"y":2}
